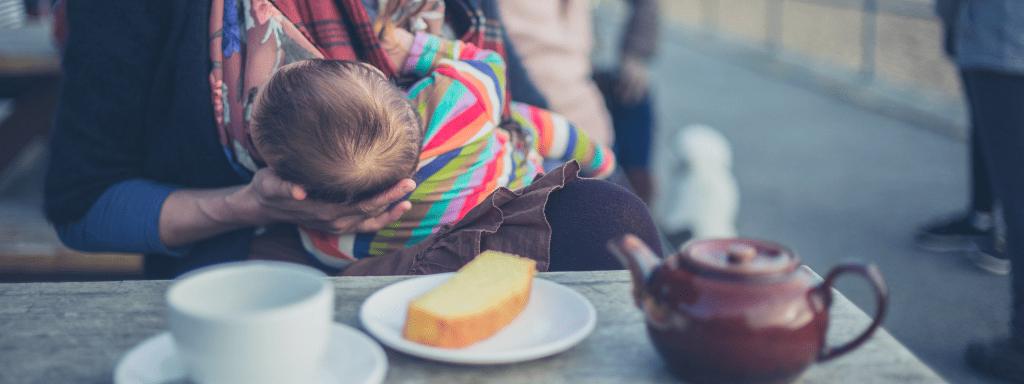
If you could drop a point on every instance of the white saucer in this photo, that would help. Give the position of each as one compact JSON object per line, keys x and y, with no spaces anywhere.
{"x":555,"y":319}
{"x":154,"y":361}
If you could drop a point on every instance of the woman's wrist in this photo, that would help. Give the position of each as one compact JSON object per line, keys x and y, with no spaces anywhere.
{"x":241,"y":207}
{"x":193,"y":215}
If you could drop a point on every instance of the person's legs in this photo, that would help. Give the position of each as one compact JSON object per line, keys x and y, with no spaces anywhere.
{"x":955,"y":233}
{"x":997,"y":99}
{"x":585,"y":214}
{"x":982,"y":196}
{"x":1001,"y":124}
{"x":633,"y":126}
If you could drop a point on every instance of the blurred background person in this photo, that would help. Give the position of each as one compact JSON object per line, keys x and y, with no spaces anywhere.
{"x":955,"y":232}
{"x":990,"y":53}
{"x":627,"y":94}
{"x":554,"y":40}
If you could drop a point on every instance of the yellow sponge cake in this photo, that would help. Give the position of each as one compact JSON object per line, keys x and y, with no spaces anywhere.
{"x":484,"y":296}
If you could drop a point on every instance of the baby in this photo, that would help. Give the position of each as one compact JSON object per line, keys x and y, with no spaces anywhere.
{"x":338,"y":128}
{"x":345,"y":133}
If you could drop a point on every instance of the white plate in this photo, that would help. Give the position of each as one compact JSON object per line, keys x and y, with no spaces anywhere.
{"x":555,"y":319}
{"x":352,"y":357}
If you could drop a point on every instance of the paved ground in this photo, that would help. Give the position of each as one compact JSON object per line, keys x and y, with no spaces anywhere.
{"x":837,"y":183}
{"x":833,"y":182}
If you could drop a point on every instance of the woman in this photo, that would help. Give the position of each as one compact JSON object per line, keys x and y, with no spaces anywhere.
{"x":138,"y":165}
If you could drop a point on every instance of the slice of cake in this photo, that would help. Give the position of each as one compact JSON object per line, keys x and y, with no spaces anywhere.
{"x":483,"y":297}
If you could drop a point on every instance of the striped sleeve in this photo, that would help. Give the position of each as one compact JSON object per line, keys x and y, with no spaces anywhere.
{"x":459,"y":101}
{"x":431,"y":55}
{"x":555,"y":138}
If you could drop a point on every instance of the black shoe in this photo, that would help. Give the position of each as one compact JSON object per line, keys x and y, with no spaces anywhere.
{"x":998,"y":359}
{"x":954,"y":234}
{"x":989,"y":254}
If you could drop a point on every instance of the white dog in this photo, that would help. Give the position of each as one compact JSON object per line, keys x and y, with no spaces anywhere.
{"x":702,"y":196}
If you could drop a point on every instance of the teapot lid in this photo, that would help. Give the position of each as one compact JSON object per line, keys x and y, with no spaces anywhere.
{"x":739,"y":258}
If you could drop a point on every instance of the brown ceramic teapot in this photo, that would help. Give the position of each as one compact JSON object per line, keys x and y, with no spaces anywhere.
{"x":738,"y":310}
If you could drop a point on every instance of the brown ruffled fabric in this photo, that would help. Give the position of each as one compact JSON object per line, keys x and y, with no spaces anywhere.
{"x":507,"y":221}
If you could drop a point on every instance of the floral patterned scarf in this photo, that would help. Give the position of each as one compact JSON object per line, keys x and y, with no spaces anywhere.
{"x":249,"y":41}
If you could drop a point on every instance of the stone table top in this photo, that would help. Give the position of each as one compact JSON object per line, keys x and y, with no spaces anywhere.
{"x":77,"y":333}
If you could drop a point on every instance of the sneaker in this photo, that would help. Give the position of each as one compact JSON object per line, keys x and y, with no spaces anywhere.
{"x":954,"y":234}
{"x":989,"y":254}
{"x":998,"y":359}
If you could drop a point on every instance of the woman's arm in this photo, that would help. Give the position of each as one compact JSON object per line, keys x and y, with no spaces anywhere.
{"x":189,"y":215}
{"x":638,"y":47}
{"x":99,"y":135}
{"x":142,"y":216}
{"x":100,"y":191}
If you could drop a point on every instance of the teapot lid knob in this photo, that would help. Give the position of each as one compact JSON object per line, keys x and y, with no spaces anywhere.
{"x":741,"y":253}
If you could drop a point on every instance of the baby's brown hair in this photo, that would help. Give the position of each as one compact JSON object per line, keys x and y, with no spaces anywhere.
{"x":339,"y":129}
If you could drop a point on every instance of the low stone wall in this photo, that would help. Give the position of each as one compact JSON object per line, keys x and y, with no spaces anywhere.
{"x":886,"y":54}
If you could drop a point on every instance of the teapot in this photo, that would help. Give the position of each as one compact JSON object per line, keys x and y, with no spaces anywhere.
{"x":738,"y":310}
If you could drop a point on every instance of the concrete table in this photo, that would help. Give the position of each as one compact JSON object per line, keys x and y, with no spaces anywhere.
{"x":77,"y":332}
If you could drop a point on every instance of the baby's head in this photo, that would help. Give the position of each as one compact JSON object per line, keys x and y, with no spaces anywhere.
{"x":339,"y":129}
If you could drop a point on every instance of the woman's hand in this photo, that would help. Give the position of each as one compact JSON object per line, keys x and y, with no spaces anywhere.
{"x":282,"y":201}
{"x":634,"y":80}
{"x":190,"y":215}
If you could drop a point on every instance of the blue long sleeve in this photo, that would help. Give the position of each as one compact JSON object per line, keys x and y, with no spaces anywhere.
{"x":126,"y":218}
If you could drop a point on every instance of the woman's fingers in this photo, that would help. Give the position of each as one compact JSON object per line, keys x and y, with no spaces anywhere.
{"x":374,"y":214}
{"x":379,"y":203}
{"x":357,"y":224}
{"x":271,"y":186}
{"x":378,"y":222}
{"x":634,"y":79}
{"x":623,"y":92}
{"x":285,"y":201}
{"x":630,"y":89}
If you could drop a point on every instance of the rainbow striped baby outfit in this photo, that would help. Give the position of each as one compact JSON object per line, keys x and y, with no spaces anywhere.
{"x":467,"y":154}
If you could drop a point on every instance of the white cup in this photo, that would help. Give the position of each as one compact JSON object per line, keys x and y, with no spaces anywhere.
{"x":254,"y":322}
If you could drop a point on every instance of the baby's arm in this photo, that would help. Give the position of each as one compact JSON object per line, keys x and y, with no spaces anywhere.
{"x":461,"y":96}
{"x":555,"y":138}
{"x":430,"y":54}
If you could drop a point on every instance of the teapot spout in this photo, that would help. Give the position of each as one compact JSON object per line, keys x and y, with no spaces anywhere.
{"x":639,"y":259}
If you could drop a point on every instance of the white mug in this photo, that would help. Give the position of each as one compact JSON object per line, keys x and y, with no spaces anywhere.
{"x":253,"y":322}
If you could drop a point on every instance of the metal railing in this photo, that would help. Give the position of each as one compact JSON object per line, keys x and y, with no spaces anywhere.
{"x":865,"y":85}
{"x":869,"y":25}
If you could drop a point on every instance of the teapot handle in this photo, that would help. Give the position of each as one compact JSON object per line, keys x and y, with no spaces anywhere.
{"x":871,"y":273}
